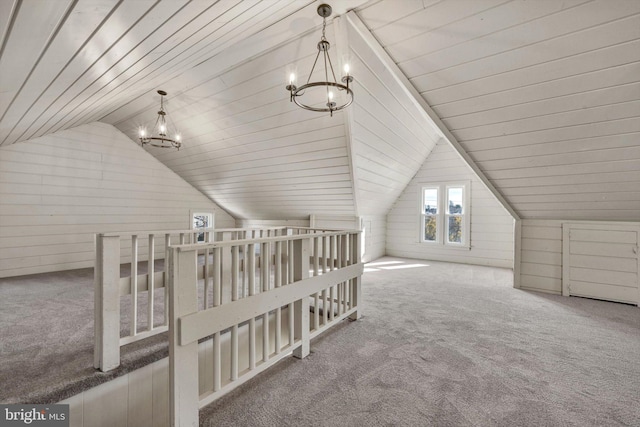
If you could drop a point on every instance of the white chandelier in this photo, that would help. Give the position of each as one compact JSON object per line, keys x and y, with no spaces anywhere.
{"x":158,"y":135}
{"x":327,"y":86}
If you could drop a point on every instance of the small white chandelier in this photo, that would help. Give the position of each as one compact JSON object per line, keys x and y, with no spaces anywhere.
{"x":328,"y":86}
{"x":158,"y":135}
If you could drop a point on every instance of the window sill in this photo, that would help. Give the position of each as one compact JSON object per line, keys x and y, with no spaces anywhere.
{"x":446,"y":247}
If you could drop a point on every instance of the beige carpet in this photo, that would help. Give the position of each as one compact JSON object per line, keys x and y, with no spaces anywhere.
{"x":454,"y":345}
{"x":440,"y":344}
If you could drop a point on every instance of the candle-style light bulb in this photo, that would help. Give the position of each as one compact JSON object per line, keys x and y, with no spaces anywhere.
{"x":346,"y":69}
{"x":163,"y":128}
{"x":141,"y":132}
{"x":292,"y":77}
{"x":178,"y":137}
{"x":330,"y":96}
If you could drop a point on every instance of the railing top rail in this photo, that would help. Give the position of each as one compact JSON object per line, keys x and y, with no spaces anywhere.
{"x":192,"y":230}
{"x":212,"y":230}
{"x":210,"y":245}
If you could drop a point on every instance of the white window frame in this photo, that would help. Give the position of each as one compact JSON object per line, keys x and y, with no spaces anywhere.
{"x":194,"y":212}
{"x":423,"y":215}
{"x":442,"y":217}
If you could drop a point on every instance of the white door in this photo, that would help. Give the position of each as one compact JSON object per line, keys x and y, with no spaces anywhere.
{"x":600,"y":260}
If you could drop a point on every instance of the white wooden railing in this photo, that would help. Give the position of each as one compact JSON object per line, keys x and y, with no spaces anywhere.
{"x":298,"y":285}
{"x":115,"y":249}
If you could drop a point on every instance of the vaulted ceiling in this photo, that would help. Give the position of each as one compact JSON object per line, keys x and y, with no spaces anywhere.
{"x":542,"y":96}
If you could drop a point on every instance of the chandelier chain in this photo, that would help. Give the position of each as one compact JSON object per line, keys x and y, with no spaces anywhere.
{"x":324,"y":27}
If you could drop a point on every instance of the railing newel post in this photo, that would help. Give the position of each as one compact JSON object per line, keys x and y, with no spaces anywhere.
{"x":183,"y":359}
{"x":301,"y":249}
{"x":356,"y":288}
{"x":107,"y":302}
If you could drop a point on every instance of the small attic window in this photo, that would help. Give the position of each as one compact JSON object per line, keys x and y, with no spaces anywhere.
{"x":201,"y":220}
{"x":445,"y":214}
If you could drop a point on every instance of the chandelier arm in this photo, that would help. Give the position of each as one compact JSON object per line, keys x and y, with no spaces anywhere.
{"x":173,"y":125}
{"x":155,"y":125}
{"x":326,"y":76}
{"x":314,"y":66}
{"x":300,"y":104}
{"x":332,"y":72}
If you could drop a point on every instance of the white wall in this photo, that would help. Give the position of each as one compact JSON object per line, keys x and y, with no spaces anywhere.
{"x":56,"y":191}
{"x":375,"y":237}
{"x":541,"y":255}
{"x":390,"y":136}
{"x":491,"y":225}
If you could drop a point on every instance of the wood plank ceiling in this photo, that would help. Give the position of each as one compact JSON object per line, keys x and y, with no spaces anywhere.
{"x":544,"y":96}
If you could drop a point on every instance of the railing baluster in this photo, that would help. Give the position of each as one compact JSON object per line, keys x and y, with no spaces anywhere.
{"x":234,"y":272}
{"x":324,"y":254}
{"x":252,"y":343}
{"x":264,"y":266}
{"x":357,"y":281}
{"x":167,"y":242}
{"x":290,"y":260}
{"x":265,"y":337}
{"x":244,"y":266}
{"x":332,"y":257}
{"x":277,"y":283}
{"x":217,"y":273}
{"x":134,"y":286}
{"x":251,"y":268}
{"x":207,"y":286}
{"x":217,"y":299}
{"x":217,"y":362}
{"x":234,"y":352}
{"x":278,"y":265}
{"x":278,"y":329}
{"x":150,"y":281}
{"x":324,"y":270}
{"x":291,"y":324}
{"x":345,"y":255}
{"x":285,"y":261}
{"x":316,"y":271}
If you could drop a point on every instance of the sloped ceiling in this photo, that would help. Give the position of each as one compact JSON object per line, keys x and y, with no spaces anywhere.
{"x":543,"y":95}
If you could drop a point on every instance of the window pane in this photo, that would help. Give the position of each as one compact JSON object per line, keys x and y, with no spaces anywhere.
{"x":430,"y":201}
{"x":202,"y":220}
{"x":455,"y":229}
{"x":430,"y":230}
{"x":454,"y":200}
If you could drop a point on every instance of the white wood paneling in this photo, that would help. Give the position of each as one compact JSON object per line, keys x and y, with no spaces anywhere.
{"x":491,"y":224}
{"x":139,"y":398}
{"x":541,"y":256}
{"x":390,"y":137}
{"x":375,"y":236}
{"x":254,"y":152}
{"x":600,"y":260}
{"x":57,"y":191}
{"x":542,"y":95}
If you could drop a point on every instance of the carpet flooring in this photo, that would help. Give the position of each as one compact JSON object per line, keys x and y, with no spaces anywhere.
{"x":454,"y":345}
{"x":46,"y":338}
{"x":439,"y":344}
